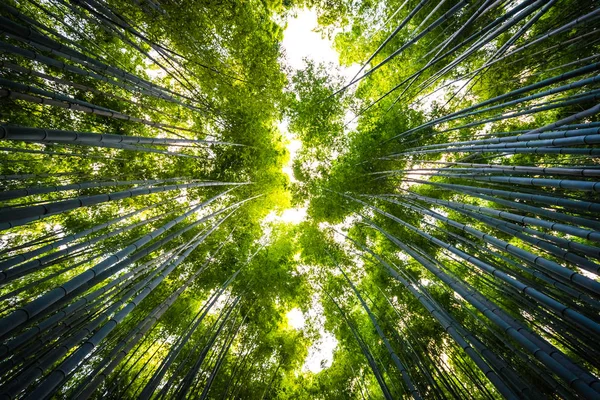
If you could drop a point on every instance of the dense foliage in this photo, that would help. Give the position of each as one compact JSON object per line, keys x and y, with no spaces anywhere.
{"x":451,"y":239}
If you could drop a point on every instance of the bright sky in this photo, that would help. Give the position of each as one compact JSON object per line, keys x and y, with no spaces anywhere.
{"x":301,"y":41}
{"x":320,"y":353}
{"x":296,"y":318}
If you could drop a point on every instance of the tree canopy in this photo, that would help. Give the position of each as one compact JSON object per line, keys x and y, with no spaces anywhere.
{"x":444,"y":239}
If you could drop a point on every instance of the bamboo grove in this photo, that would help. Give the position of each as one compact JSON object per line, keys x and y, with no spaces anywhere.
{"x":451,"y":188}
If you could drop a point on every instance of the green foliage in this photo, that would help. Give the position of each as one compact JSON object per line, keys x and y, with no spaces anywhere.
{"x":410,"y":256}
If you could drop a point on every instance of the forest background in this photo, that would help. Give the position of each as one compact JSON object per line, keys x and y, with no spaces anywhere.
{"x":435,"y":234}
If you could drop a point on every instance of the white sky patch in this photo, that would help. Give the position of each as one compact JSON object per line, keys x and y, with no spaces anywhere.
{"x":320,"y":353}
{"x":300,"y":40}
{"x":402,"y":256}
{"x":294,"y":215}
{"x":291,"y":215}
{"x":296,"y":318}
{"x":587,"y":274}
